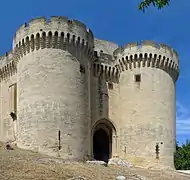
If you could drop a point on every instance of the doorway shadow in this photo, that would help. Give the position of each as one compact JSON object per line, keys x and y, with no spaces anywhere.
{"x":101,"y":145}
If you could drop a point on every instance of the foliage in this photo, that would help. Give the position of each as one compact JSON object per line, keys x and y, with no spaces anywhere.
{"x":182,"y":156}
{"x":156,"y":3}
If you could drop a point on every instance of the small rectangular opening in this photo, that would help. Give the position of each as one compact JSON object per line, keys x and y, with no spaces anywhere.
{"x":82,"y":69}
{"x":110,"y":85}
{"x":137,"y":78}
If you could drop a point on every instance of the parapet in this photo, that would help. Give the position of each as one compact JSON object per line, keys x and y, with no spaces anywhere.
{"x":6,"y":58}
{"x":104,"y":58}
{"x":106,"y":47}
{"x":147,"y":54}
{"x":147,"y":47}
{"x":109,"y":73}
{"x":58,"y":24}
{"x":7,"y":65}
{"x":57,"y":32}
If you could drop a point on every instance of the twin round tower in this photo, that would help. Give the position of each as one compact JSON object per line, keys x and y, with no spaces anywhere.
{"x":67,"y":94}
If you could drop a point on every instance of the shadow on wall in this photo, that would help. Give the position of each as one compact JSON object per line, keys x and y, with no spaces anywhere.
{"x":102,"y":130}
{"x":103,"y":98}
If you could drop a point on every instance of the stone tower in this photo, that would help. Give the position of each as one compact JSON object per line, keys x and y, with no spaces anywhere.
{"x":67,"y":94}
{"x":146,"y":107}
{"x":53,"y":86}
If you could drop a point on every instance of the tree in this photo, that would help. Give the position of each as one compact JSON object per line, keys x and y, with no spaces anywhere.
{"x":182,"y":156}
{"x":156,"y":3}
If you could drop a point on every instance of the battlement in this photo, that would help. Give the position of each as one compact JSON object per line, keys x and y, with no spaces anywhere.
{"x":148,"y":47}
{"x":57,"y":32}
{"x":7,"y":65}
{"x":55,"y":23}
{"x":110,"y":73}
{"x":103,"y":57}
{"x":147,"y":54}
{"x":6,"y":58}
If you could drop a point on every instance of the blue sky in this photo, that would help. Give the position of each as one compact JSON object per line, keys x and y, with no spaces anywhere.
{"x":121,"y":22}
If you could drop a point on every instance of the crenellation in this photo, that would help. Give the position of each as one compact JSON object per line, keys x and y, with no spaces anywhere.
{"x":58,"y":19}
{"x":54,"y":39}
{"x":55,"y":23}
{"x":105,"y":58}
{"x":39,"y":21}
{"x":80,"y":24}
{"x":61,"y":78}
{"x":147,"y":47}
{"x":149,"y":52}
{"x":148,"y":43}
{"x":110,"y":73}
{"x":7,"y":70}
{"x":130,"y":45}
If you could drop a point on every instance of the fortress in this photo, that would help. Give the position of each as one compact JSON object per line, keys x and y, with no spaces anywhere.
{"x":67,"y":94}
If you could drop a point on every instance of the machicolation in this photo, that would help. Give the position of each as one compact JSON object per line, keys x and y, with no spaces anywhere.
{"x":77,"y":97}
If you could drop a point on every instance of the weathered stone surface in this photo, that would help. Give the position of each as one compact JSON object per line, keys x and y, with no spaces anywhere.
{"x":97,"y":162}
{"x":120,"y":178}
{"x":119,"y":162}
{"x":64,"y":93}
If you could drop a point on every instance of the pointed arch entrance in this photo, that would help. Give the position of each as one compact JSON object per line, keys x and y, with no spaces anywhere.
{"x":103,"y":140}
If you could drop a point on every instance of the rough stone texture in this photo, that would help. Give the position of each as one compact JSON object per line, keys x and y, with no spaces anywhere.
{"x":150,"y":110}
{"x":55,"y":23}
{"x":6,"y":124}
{"x":105,"y":46}
{"x":119,"y":162}
{"x":62,"y":85}
{"x":97,"y":162}
{"x":120,"y":178}
{"x":43,"y":110}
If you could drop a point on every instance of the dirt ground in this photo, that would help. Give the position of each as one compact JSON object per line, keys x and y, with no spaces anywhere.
{"x":19,"y":164}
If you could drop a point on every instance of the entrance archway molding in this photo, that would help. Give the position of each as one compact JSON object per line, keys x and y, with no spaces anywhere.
{"x":107,"y":125}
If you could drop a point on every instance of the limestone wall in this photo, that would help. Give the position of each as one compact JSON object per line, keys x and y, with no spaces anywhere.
{"x":53,"y":88}
{"x":104,"y":46}
{"x":71,"y":29}
{"x":103,"y":76}
{"x":67,"y":82}
{"x":104,"y":50}
{"x":147,"y":106}
{"x":104,"y":79}
{"x":8,"y":78}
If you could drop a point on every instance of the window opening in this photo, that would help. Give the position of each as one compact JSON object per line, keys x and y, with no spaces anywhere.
{"x":110,"y":85}
{"x":82,"y":69}
{"x":137,"y":78}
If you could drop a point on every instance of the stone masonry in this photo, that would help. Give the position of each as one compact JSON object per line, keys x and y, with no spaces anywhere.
{"x":59,"y":85}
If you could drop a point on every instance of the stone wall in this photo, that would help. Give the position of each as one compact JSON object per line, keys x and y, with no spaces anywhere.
{"x":64,"y":89}
{"x":104,"y":46}
{"x":8,"y":78}
{"x":147,"y":105}
{"x":53,"y":87}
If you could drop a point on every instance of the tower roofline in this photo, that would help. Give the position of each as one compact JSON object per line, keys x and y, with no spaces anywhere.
{"x":54,"y":23}
{"x":148,"y":54}
{"x":140,"y":47}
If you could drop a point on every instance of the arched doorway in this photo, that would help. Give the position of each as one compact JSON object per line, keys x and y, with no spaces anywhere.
{"x":104,"y":145}
{"x":101,"y":145}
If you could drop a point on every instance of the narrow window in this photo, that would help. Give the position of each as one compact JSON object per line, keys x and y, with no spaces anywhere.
{"x":59,"y":138}
{"x":157,"y":151}
{"x":82,"y":69}
{"x":110,"y":85}
{"x":137,"y":78}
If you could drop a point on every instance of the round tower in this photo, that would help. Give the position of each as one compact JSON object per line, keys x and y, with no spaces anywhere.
{"x":147,"y":113}
{"x":54,"y":58}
